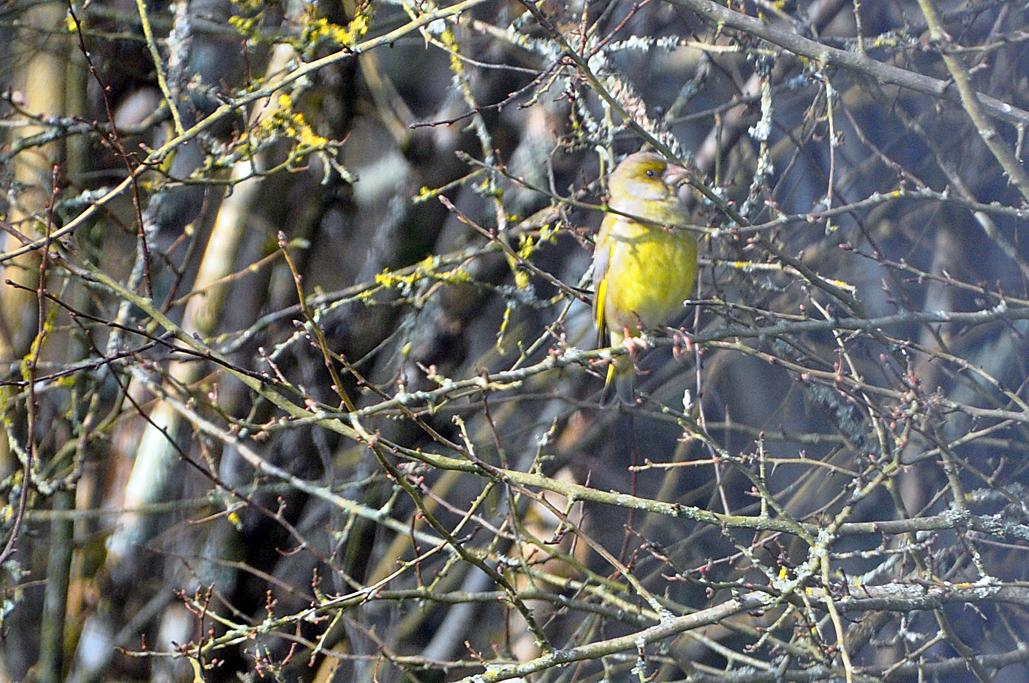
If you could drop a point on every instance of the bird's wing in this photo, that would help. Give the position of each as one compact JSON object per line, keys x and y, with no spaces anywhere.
{"x":601,"y":260}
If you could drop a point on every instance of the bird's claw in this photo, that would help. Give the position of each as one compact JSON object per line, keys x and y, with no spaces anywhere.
{"x":634,"y":346}
{"x":682,"y":343}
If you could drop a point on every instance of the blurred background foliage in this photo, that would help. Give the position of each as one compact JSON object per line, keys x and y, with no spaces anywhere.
{"x":296,"y":362}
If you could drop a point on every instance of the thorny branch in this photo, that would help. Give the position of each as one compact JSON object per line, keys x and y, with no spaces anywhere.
{"x":296,"y":361}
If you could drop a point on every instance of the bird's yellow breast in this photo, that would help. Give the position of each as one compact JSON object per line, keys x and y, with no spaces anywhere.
{"x":650,"y":272}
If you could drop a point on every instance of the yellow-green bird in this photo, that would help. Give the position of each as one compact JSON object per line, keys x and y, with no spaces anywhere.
{"x":643,"y":268}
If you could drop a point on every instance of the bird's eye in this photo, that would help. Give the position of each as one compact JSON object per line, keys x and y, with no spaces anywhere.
{"x":650,"y":173}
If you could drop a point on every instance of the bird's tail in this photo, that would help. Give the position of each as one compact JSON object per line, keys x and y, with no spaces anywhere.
{"x":623,"y":379}
{"x":621,"y":374}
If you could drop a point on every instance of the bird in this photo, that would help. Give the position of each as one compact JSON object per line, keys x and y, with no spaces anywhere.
{"x":644,"y":267}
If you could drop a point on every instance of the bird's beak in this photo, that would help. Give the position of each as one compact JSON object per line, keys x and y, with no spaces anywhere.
{"x":675,"y":175}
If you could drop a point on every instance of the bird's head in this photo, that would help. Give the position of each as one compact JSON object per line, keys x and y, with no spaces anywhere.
{"x":646,"y":185}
